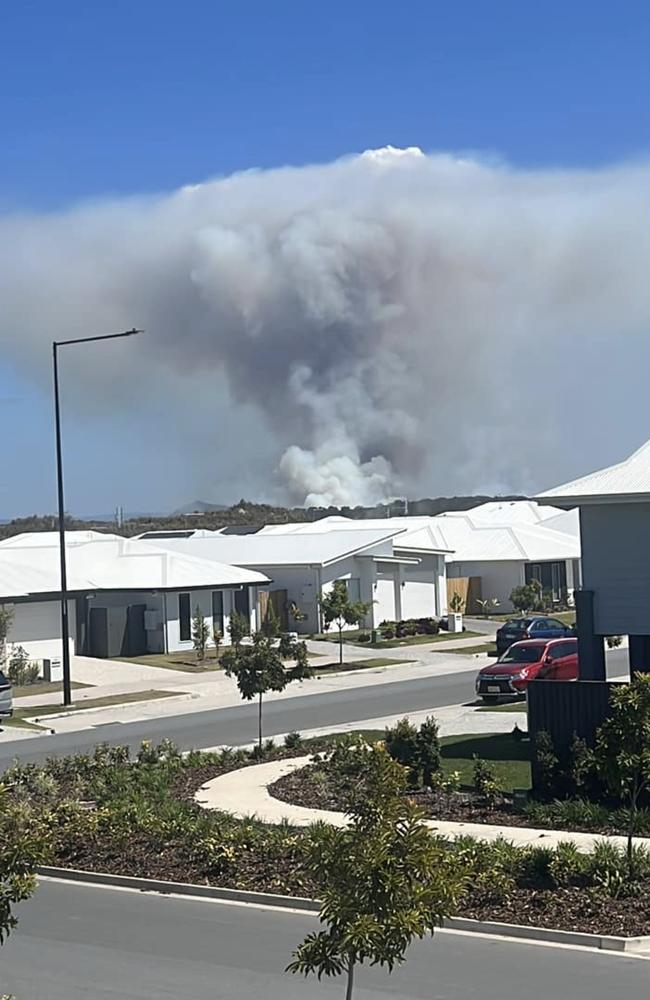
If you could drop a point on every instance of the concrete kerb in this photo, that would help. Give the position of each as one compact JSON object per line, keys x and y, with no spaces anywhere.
{"x":540,"y":935}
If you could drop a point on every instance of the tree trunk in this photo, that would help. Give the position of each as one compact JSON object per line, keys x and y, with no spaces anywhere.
{"x":350,"y":986}
{"x":632,"y":826}
{"x":340,"y":644}
{"x":259,"y":723}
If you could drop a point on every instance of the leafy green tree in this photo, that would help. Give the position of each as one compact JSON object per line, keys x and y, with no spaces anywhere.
{"x":271,"y":624}
{"x":22,"y":847}
{"x":623,"y":749}
{"x":261,"y":667}
{"x":337,"y":607}
{"x":200,"y":634}
{"x":238,"y":628}
{"x":6,"y":619}
{"x":527,"y":598}
{"x":456,"y":603}
{"x":384,"y":879}
{"x":217,"y":639}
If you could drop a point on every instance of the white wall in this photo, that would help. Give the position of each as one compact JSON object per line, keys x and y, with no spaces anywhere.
{"x":498,"y":577}
{"x":37,"y":626}
{"x":419,"y":586}
{"x":616,"y":566}
{"x":203,"y":599}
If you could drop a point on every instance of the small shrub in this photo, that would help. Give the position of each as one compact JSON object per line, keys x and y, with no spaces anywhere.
{"x":387,"y":631}
{"x":428,"y":750}
{"x":402,"y":743}
{"x":19,"y":669}
{"x":567,"y":864}
{"x":485,"y":783}
{"x":548,"y":765}
{"x":582,"y":766}
{"x":364,"y":637}
{"x":292,"y":740}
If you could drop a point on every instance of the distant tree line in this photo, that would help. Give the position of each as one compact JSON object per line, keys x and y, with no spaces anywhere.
{"x":244,"y":514}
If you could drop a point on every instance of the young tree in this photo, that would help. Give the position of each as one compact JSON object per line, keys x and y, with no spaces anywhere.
{"x":337,"y":607}
{"x":238,"y":628}
{"x":22,"y":847}
{"x":217,"y":639}
{"x":527,"y":598}
{"x":200,"y":634}
{"x":623,"y":749}
{"x":384,"y":879}
{"x":260,"y":668}
{"x":6,"y":619}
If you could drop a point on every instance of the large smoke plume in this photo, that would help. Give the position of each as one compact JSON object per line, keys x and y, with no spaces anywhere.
{"x":404,"y":322}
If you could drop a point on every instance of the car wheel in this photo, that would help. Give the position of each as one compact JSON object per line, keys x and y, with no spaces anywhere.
{"x":490,"y":699}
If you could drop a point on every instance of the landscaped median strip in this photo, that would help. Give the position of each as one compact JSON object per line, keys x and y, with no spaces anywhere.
{"x":244,"y":793}
{"x":602,"y":942}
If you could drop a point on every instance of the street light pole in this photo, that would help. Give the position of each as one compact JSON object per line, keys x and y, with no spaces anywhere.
{"x":65,"y":628}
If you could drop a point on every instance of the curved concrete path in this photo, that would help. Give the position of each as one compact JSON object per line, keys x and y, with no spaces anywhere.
{"x":244,"y":793}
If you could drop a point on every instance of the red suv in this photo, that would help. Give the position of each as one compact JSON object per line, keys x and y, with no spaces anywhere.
{"x":533,"y":659}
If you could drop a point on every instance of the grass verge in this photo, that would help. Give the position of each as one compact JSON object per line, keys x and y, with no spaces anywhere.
{"x":184,"y":662}
{"x":485,"y":647}
{"x":508,"y":758}
{"x":373,"y":661}
{"x":42,"y":711}
{"x":510,"y":706}
{"x":46,"y":687}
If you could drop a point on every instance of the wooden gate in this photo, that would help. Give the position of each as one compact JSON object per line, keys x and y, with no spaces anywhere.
{"x":469,"y":588}
{"x":277,"y":598}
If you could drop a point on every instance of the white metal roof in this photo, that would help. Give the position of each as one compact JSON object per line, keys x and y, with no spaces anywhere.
{"x":41,"y":538}
{"x":628,"y":481}
{"x":292,"y":549}
{"x":486,"y":543}
{"x":506,"y":513}
{"x":415,"y":533}
{"x":111,"y":563}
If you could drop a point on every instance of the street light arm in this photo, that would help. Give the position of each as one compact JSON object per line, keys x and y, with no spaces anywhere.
{"x":105,"y":336}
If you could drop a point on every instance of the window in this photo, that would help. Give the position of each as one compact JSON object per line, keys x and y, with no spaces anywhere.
{"x":353,"y":587}
{"x":184,"y":617}
{"x":217,"y":610}
{"x":523,"y":654}
{"x":242,"y":603}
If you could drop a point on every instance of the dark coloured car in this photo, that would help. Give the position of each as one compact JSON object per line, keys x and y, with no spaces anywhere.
{"x":523,"y":662}
{"x":533,"y":627}
{"x":6,"y":700}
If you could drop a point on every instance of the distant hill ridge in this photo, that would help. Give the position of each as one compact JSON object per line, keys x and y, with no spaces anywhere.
{"x":244,"y":513}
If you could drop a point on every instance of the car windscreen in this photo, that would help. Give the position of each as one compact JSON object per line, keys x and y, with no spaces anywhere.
{"x":3,"y":680}
{"x":516,"y":625}
{"x":522,"y":654}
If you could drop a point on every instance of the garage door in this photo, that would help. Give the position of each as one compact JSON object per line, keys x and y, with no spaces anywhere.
{"x":384,"y":599}
{"x":418,"y":599}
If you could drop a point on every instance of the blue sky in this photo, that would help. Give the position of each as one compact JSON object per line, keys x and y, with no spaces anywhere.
{"x":122,"y":98}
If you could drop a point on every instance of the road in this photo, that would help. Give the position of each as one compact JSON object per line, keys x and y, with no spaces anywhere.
{"x":82,"y":943}
{"x":238,"y":724}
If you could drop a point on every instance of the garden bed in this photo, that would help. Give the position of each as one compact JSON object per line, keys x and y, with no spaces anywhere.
{"x":103,"y":813}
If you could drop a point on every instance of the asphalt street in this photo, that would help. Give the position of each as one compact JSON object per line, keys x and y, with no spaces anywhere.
{"x":238,"y":724}
{"x":81,"y":943}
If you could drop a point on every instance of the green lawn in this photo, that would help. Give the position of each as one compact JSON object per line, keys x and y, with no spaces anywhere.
{"x":44,"y":687}
{"x":373,"y":661}
{"x":509,"y":758}
{"x":410,"y":640}
{"x":185,"y":662}
{"x":38,"y":712}
{"x":568,"y":617}
{"x":487,"y":647}
{"x":509,"y":706}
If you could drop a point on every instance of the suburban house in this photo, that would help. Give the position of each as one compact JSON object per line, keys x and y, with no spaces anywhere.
{"x":126,"y":597}
{"x":502,"y":545}
{"x":614,"y":508}
{"x":397,"y":569}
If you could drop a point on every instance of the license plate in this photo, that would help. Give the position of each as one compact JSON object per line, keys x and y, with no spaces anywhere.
{"x":493,"y":689}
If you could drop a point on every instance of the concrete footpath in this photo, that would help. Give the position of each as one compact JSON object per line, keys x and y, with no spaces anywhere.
{"x":245,"y":793}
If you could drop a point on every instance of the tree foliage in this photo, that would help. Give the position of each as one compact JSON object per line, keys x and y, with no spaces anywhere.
{"x":238,"y":628}
{"x":261,"y":667}
{"x":527,"y":598}
{"x":623,"y":747}
{"x":385,"y":880}
{"x":336,"y":607}
{"x":200,"y":634}
{"x":22,"y":846}
{"x":6,"y":619}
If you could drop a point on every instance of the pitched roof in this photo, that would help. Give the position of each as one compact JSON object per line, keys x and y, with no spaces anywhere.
{"x":110,"y":563}
{"x":293,"y":549}
{"x":486,"y":543}
{"x":627,"y":481}
{"x":415,"y":533}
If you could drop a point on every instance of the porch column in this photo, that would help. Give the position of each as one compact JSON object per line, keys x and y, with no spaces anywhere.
{"x":591,"y":647}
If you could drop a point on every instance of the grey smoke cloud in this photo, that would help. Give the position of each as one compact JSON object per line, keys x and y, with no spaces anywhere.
{"x":403,"y":322}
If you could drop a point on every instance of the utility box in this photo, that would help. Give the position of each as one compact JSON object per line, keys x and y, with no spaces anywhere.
{"x":454,"y":622}
{"x":52,"y":670}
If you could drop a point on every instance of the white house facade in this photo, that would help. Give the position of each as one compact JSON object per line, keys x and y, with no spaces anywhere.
{"x":127,"y":598}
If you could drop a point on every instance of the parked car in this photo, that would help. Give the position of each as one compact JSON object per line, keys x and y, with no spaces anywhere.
{"x":533,"y":627}
{"x":531,"y":659}
{"x":6,"y":699}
